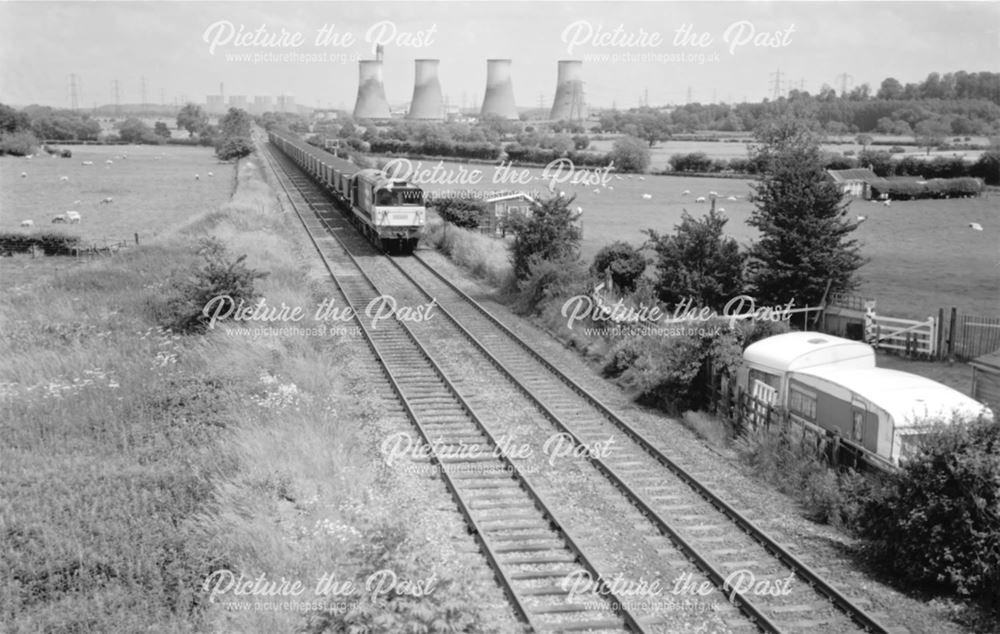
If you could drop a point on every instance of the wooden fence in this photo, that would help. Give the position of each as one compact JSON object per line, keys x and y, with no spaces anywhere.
{"x":969,"y":336}
{"x":747,"y":415}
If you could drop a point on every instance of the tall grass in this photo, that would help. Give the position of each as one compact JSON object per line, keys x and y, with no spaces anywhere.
{"x":484,"y":257}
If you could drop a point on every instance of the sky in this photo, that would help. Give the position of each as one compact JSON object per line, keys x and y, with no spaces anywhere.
{"x":660,"y":52}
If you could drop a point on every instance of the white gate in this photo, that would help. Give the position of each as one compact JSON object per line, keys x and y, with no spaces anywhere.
{"x":905,"y":335}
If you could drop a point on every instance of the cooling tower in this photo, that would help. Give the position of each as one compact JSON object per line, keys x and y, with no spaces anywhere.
{"x":499,"y":99}
{"x":371,"y":103}
{"x":427,"y":102}
{"x":569,"y":103}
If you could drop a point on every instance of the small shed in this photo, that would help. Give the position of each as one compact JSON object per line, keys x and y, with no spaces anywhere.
{"x":498,"y":208}
{"x":856,"y":182}
{"x":986,"y":378}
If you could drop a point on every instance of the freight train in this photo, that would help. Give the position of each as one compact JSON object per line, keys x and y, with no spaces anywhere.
{"x":390,"y":213}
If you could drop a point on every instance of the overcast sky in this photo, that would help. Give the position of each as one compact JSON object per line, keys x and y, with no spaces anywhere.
{"x":171,"y":45}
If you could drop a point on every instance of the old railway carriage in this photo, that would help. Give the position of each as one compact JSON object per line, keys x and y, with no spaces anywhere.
{"x":390,"y":213}
{"x":832,"y":384}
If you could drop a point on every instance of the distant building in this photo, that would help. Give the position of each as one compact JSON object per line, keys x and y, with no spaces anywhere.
{"x":856,"y":182}
{"x":238,"y":101}
{"x":215,"y":104}
{"x":286,"y":103}
{"x":262,"y":104}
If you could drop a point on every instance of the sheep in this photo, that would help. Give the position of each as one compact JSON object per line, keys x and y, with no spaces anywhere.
{"x":27,"y":223}
{"x":59,"y":219}
{"x":721,"y":210}
{"x":976,"y":226}
{"x":76,"y":202}
{"x":24,"y":175}
{"x":107,"y":201}
{"x":886,"y":203}
{"x":642,"y":178}
{"x":64,"y":179}
{"x":197,"y":177}
{"x":597,"y":191}
{"x":699,"y":199}
{"x":862,"y":219}
{"x":211,"y":174}
{"x":647,"y":196}
{"x":713,"y":194}
{"x":109,"y":162}
{"x":731,"y":199}
{"x":88,"y":163}
{"x":685,"y":192}
{"x":579,"y":210}
{"x":73,"y":216}
{"x":611,"y":187}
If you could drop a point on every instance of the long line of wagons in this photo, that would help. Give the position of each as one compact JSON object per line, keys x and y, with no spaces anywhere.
{"x":831,"y":384}
{"x":390,"y":213}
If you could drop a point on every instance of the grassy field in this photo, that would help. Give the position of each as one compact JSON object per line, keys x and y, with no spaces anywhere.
{"x":923,"y":254}
{"x":152,"y":189}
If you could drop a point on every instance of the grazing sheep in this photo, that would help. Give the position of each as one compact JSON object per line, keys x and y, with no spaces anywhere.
{"x":597,"y":191}
{"x":642,"y":178}
{"x":647,"y":196}
{"x":27,"y":223}
{"x":211,"y":174}
{"x":862,"y":219}
{"x":685,"y":192}
{"x":107,"y":201}
{"x":64,"y":179}
{"x":30,"y":156}
{"x":713,"y":194}
{"x":886,"y":203}
{"x":109,"y":162}
{"x":24,"y":175}
{"x":76,"y":202}
{"x":197,"y":177}
{"x":59,"y":219}
{"x":721,"y":209}
{"x":611,"y":187}
{"x":731,"y":199}
{"x":73,"y":216}
{"x":976,"y":226}
{"x":579,"y":210}
{"x":88,"y":162}
{"x":699,"y":199}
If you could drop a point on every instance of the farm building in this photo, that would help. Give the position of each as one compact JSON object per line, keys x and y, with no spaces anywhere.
{"x":856,"y":182}
{"x":986,"y":378}
{"x":884,"y":411}
{"x":500,"y":207}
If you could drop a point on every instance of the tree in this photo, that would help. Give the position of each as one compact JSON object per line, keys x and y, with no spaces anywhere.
{"x":133,"y":130}
{"x":864,"y":140}
{"x":890,"y":89}
{"x":12,"y":120}
{"x":461,"y":212}
{"x":805,"y":238}
{"x":930,"y":134}
{"x":192,"y":118}
{"x":235,"y":140}
{"x":160,"y":129}
{"x":630,"y":155}
{"x":547,"y":233}
{"x":698,"y":262}
{"x":625,"y":262}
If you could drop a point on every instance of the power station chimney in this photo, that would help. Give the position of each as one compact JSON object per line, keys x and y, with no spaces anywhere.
{"x":499,"y":99}
{"x":427,"y":102}
{"x":371,"y":102}
{"x":569,"y":103}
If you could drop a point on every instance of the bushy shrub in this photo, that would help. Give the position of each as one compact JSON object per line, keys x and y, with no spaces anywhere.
{"x":938,"y":520}
{"x":549,"y":281}
{"x":234,"y":148}
{"x":987,"y":168}
{"x":691,"y":162}
{"x":934,"y":188}
{"x":18,"y":143}
{"x":662,"y":370}
{"x":626,"y":263}
{"x":548,"y":233}
{"x":461,"y":212}
{"x":183,"y":309}
{"x":50,"y":242}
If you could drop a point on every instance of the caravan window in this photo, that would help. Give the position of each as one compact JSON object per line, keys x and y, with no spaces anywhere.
{"x":802,"y":403}
{"x":770,"y":380}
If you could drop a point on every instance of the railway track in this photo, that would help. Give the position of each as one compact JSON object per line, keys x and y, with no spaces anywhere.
{"x":773,"y":589}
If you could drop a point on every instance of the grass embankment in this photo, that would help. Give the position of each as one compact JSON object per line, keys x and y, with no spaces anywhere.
{"x":135,"y":462}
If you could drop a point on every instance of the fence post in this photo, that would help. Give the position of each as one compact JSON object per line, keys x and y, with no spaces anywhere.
{"x":951,"y":334}
{"x":940,"y":334}
{"x":137,"y":238}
